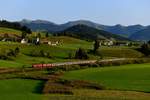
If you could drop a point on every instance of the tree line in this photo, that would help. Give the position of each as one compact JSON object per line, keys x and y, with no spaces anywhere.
{"x":15,"y":25}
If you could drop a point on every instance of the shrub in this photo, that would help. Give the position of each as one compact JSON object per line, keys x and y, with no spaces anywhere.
{"x":145,"y":48}
{"x":56,"y":88}
{"x":81,"y":84}
{"x":81,"y":54}
{"x":17,"y":50}
{"x":40,"y":53}
{"x":6,"y":54}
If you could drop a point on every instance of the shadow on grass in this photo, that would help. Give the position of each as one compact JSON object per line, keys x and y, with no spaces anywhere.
{"x":39,"y":88}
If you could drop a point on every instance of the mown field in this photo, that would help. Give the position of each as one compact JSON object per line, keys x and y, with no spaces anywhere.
{"x":20,"y":89}
{"x":9,"y":31}
{"x":102,"y":95}
{"x":125,"y":77}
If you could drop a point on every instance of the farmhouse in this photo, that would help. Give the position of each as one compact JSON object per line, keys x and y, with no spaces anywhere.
{"x":51,"y":43}
{"x":24,"y":41}
{"x":122,"y":43}
{"x":106,"y":43}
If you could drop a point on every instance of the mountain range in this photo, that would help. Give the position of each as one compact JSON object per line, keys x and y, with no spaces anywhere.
{"x":89,"y":33}
{"x":135,"y":32}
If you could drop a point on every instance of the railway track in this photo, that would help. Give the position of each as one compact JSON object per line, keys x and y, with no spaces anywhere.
{"x":77,"y":62}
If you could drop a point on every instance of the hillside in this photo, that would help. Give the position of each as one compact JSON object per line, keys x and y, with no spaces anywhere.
{"x":88,"y":33}
{"x":11,"y":32}
{"x":37,"y":25}
{"x":116,"y":29}
{"x":126,"y":31}
{"x":40,"y":25}
{"x":143,"y":35}
{"x":14,"y":25}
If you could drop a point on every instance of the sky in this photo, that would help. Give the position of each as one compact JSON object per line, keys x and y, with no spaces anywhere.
{"x":108,"y":12}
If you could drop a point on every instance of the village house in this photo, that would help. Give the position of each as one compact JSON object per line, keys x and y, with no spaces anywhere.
{"x":123,"y":43}
{"x":106,"y":43}
{"x":51,"y":43}
{"x":24,"y":41}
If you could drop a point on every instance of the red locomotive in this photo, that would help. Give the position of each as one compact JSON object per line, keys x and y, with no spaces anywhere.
{"x":43,"y":66}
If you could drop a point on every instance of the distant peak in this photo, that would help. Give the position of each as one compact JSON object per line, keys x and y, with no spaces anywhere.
{"x":38,"y":21}
{"x":119,"y":25}
{"x":26,"y":20}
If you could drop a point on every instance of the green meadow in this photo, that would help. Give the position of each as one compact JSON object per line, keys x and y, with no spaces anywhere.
{"x":9,"y":31}
{"x":59,"y":53}
{"x":125,"y":77}
{"x":20,"y":89}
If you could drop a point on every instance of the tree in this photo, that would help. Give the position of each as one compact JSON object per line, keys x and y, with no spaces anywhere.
{"x":145,"y":48}
{"x":26,"y":29}
{"x":46,"y":34}
{"x":23,"y":35}
{"x":42,"y":53}
{"x":11,"y":53}
{"x":148,"y":42}
{"x":96,"y":45}
{"x":39,"y":35}
{"x":81,"y":54}
{"x":70,"y":55}
{"x":17,"y":50}
{"x":14,"y":25}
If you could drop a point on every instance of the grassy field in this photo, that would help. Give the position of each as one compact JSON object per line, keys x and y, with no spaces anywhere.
{"x":24,"y":58}
{"x":19,"y":89}
{"x":72,"y":43}
{"x":9,"y":31}
{"x":125,"y":77}
{"x":123,"y":52}
{"x":102,"y":95}
{"x":59,"y":53}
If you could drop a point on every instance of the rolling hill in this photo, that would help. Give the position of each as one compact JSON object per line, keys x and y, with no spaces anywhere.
{"x":143,"y":35}
{"x":88,"y":33}
{"x":40,"y":25}
{"x":10,"y":32}
{"x":125,"y":31}
{"x":116,"y":29}
{"x":4,"y":30}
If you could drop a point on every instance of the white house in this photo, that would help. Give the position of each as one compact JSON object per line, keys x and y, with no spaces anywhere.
{"x":53,"y":43}
{"x":24,"y":41}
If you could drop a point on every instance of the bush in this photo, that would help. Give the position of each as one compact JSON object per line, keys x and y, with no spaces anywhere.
{"x":40,"y":53}
{"x":145,"y":48}
{"x":6,"y":54}
{"x":81,"y":84}
{"x":81,"y":54}
{"x":56,"y":88}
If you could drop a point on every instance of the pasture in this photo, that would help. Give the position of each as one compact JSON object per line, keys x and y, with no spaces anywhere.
{"x":9,"y":31}
{"x":20,"y":89}
{"x":125,"y":77}
{"x":24,"y":89}
{"x":30,"y":54}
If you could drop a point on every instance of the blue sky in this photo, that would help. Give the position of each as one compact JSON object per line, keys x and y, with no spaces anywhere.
{"x":109,"y":12}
